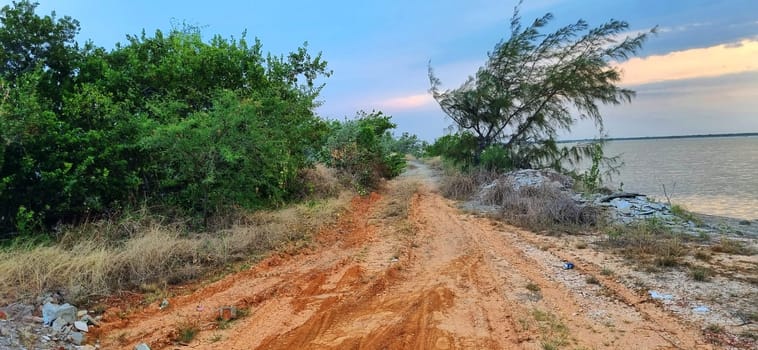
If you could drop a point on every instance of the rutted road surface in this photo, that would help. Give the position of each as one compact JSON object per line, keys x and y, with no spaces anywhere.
{"x":429,"y":277}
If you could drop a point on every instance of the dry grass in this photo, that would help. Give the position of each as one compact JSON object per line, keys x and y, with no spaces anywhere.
{"x":649,"y":243}
{"x":320,"y":182}
{"x":435,"y":163}
{"x":542,"y":207}
{"x":104,"y":257}
{"x":533,"y":207}
{"x":462,"y":186}
{"x":731,"y":246}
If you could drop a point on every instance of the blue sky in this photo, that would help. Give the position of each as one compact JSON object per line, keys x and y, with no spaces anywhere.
{"x":699,"y":75}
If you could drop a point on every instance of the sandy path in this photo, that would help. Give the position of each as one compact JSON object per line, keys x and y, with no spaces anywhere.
{"x":458,"y":282}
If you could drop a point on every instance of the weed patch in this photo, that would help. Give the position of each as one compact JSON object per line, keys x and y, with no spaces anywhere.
{"x":700,"y":274}
{"x":684,"y":214}
{"x":649,"y":243}
{"x":731,"y":246}
{"x":532,"y":287}
{"x":186,"y":331}
{"x":554,"y":333}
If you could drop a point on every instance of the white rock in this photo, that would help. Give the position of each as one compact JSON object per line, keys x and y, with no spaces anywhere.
{"x":81,"y":325}
{"x":84,"y":347}
{"x":76,"y":338}
{"x":67,"y":312}
{"x":81,"y":313}
{"x":142,"y":346}
{"x":48,"y":312}
{"x":59,"y":324}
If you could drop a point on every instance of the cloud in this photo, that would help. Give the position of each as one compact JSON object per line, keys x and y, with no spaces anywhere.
{"x":408,"y":102}
{"x":705,"y":62}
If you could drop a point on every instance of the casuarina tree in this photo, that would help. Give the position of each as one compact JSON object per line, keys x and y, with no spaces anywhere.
{"x":535,"y":85}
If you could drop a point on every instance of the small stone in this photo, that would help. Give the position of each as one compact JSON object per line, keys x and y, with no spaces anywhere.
{"x":81,"y":313}
{"x":142,"y":346}
{"x":49,"y":311}
{"x":81,"y":325}
{"x":59,"y":324}
{"x":76,"y":338}
{"x":164,"y":304}
{"x":227,"y":313}
{"x":3,"y":316}
{"x":88,"y":319}
{"x":85,"y":347}
{"x":67,"y":312}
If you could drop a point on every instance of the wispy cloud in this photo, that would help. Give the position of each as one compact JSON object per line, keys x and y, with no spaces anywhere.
{"x":684,"y":27}
{"x":693,"y":63}
{"x":408,"y":102}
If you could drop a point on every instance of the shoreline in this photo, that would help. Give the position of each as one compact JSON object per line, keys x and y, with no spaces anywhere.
{"x":733,"y":226}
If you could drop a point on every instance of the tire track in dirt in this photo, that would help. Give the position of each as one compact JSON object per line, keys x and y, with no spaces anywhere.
{"x":458,"y":282}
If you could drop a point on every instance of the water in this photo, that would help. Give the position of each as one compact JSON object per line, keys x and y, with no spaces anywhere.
{"x":717,"y":176}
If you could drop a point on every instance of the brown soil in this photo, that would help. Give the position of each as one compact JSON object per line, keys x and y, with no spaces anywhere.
{"x":451,"y":281}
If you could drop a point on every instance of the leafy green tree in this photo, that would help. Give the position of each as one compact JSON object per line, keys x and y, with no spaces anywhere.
{"x":169,"y":119}
{"x":358,"y":148}
{"x":405,"y":144}
{"x":535,"y":85}
{"x":226,"y":156}
{"x":29,"y":42}
{"x":459,"y":148}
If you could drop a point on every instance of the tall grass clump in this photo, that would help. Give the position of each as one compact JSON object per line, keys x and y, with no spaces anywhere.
{"x":460,"y":185}
{"x":90,"y":261}
{"x":648,"y":242}
{"x":540,"y":207}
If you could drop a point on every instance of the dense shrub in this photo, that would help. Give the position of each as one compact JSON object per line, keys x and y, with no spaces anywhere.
{"x":495,"y":158}
{"x":459,"y":149}
{"x":358,"y":149}
{"x":405,"y":144}
{"x":168,"y":120}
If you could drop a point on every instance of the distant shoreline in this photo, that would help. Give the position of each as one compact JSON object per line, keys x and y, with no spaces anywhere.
{"x":663,"y":137}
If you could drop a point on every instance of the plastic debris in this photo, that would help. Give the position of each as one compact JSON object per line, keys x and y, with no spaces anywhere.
{"x":701,"y":309}
{"x":568,"y":265}
{"x":660,"y":296}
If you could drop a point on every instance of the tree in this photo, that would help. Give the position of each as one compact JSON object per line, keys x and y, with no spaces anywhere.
{"x":535,"y":85}
{"x":358,"y":148}
{"x":169,"y":120}
{"x":29,"y":42}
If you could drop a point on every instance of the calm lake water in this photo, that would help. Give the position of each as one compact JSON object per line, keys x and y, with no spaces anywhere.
{"x":717,"y":176}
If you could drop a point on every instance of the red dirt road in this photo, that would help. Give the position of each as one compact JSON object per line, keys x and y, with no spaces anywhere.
{"x":436,"y":279}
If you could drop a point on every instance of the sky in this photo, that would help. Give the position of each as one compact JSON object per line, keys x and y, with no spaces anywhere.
{"x":698,"y":75}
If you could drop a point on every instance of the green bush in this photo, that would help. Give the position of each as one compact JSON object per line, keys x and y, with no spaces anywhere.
{"x":495,"y":158}
{"x":167,"y":120}
{"x":459,"y":148}
{"x":358,"y":149}
{"x":405,"y":144}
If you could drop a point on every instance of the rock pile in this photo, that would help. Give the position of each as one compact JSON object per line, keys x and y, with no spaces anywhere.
{"x":623,"y":208}
{"x":628,"y":207}
{"x":62,"y":326}
{"x":535,"y":178}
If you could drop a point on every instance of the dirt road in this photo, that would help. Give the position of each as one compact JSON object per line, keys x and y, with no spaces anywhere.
{"x":405,"y":269}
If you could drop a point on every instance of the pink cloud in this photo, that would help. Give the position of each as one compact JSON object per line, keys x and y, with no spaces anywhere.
{"x":693,"y":63}
{"x":408,"y":102}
